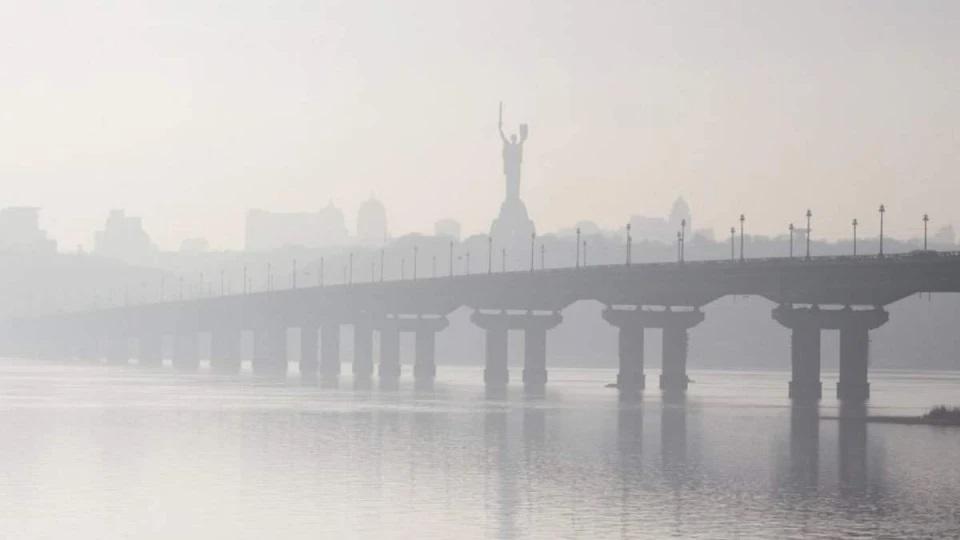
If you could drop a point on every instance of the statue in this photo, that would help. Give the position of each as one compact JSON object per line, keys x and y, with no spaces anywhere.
{"x":512,"y":158}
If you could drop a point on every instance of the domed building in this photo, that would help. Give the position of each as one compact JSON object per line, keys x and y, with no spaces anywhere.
{"x":372,"y":222}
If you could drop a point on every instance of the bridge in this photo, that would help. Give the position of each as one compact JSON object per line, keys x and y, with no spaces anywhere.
{"x":839,"y":293}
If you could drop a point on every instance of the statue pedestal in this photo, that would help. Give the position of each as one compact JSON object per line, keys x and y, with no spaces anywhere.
{"x":513,"y":227}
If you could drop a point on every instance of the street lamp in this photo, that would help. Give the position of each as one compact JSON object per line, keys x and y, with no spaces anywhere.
{"x":350,"y":280}
{"x":629,"y":245}
{"x":683,"y":238}
{"x":882,"y":211}
{"x":742,"y":219}
{"x":926,"y":219}
{"x":489,"y":254}
{"x":543,"y":255}
{"x":791,"y":240}
{"x":578,"y":247}
{"x":503,"y":260}
{"x":809,"y":215}
{"x":855,"y":223}
{"x":533,"y":249}
{"x":679,"y":247}
{"x":584,"y":253}
{"x":415,"y":251}
{"x":732,"y":233}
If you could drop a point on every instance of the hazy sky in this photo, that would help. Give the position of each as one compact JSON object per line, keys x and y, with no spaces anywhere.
{"x":188,"y":113}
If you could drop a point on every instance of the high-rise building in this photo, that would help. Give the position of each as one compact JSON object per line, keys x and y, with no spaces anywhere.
{"x":20,"y":231}
{"x":124,"y":238}
{"x":372,"y":222}
{"x":267,"y":230}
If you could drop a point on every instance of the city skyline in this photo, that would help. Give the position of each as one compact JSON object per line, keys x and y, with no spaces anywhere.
{"x":204,"y":112}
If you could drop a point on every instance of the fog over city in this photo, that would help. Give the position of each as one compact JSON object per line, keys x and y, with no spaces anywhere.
{"x":449,"y":269}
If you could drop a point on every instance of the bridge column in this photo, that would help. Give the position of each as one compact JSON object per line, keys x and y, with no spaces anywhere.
{"x":185,"y":357}
{"x":362,"y":351}
{"x":675,"y":324}
{"x":330,"y":351}
{"x":535,"y":348}
{"x":630,"y":348}
{"x":309,"y":351}
{"x":117,"y":350}
{"x":150,"y":350}
{"x":225,"y":351}
{"x":425,"y":362}
{"x":804,"y":325}
{"x":270,"y":351}
{"x":389,"y":368}
{"x":495,"y":372}
{"x":855,"y":351}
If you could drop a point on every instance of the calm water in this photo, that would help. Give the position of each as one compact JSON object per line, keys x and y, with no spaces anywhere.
{"x":99,"y":452}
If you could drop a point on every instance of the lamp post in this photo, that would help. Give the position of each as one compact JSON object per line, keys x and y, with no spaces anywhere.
{"x":578,"y":247}
{"x":679,"y":247}
{"x":742,"y":219}
{"x":415,"y":257}
{"x":629,"y":245}
{"x":809,"y":215}
{"x":791,"y":239}
{"x":882,"y":211}
{"x":732,"y":233}
{"x":533,"y":249}
{"x":350,"y":279}
{"x":926,"y":219}
{"x":543,"y":256}
{"x":503,"y":260}
{"x":854,"y":223}
{"x":293,"y":276}
{"x":489,"y":254}
{"x":584,"y":253}
{"x":467,"y":269}
{"x":683,"y":239}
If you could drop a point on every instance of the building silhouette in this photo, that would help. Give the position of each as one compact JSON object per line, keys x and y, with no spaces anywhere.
{"x":372,"y":223}
{"x":267,"y":230}
{"x":20,"y":231}
{"x":124,"y":238}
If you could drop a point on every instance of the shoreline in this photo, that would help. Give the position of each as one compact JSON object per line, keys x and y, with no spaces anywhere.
{"x":905,"y":420}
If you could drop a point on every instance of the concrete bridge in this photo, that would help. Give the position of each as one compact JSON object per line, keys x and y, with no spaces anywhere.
{"x":841,"y":293}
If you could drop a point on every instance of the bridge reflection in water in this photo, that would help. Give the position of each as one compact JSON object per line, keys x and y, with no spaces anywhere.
{"x":847,"y":294}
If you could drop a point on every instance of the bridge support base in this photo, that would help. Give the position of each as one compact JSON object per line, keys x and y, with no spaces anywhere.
{"x":117,"y":351}
{"x":330,"y":354}
{"x":270,"y":352}
{"x":185,"y":357}
{"x":362,"y":353}
{"x":150,"y":350}
{"x":225,"y":352}
{"x":309,"y":352}
{"x":425,"y":350}
{"x":389,"y":368}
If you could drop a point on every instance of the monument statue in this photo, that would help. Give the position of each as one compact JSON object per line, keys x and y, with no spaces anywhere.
{"x":512,"y":157}
{"x":513,"y":227}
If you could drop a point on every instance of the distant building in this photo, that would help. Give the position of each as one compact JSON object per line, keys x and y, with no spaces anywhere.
{"x":194,"y":245}
{"x":372,"y":223}
{"x":447,"y":227}
{"x":20,"y":231}
{"x":662,"y":229}
{"x":123,"y":238}
{"x":267,"y":231}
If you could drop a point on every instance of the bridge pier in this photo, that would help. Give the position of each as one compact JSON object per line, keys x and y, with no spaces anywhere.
{"x":225,"y":351}
{"x":150,"y":350}
{"x":389,"y":368}
{"x":630,"y":377}
{"x":309,"y":351}
{"x":495,"y":370}
{"x":117,"y":351}
{"x":425,"y":353}
{"x":270,"y":352}
{"x":330,"y":353}
{"x":185,"y":357}
{"x":362,"y":352}
{"x":631,"y":324}
{"x":855,"y":328}
{"x":804,"y":325}
{"x":535,"y":326}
